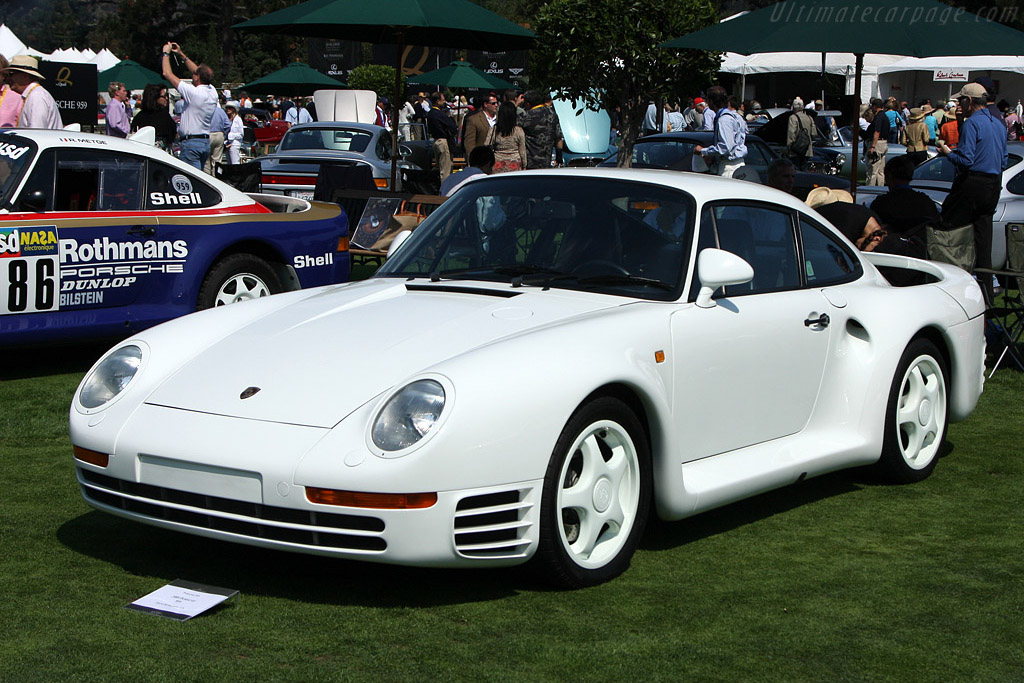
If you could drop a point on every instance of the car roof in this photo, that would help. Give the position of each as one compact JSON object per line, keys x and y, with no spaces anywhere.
{"x":47,"y":139}
{"x":366,"y":127}
{"x":703,"y":187}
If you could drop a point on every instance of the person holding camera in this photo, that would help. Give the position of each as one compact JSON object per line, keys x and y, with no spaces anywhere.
{"x":200,"y":98}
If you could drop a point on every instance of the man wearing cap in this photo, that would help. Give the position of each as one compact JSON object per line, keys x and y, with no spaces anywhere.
{"x":38,"y":109}
{"x":979,"y":160}
{"x":200,"y":98}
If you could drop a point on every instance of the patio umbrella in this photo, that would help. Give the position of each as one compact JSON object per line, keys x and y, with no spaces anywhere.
{"x":295,"y":79}
{"x":918,"y":28}
{"x":132,"y":74}
{"x":461,"y":75}
{"x":438,"y":23}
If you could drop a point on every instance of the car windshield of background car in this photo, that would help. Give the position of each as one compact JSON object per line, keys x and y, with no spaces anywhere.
{"x":593,"y":234}
{"x":16,"y":154}
{"x":330,"y":139}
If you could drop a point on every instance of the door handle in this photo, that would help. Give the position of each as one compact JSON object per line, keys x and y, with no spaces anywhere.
{"x":822,"y":320}
{"x":142,"y":231}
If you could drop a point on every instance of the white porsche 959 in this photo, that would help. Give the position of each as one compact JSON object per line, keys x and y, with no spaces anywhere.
{"x":549,"y":358}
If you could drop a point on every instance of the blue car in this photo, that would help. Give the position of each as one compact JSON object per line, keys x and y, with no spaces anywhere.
{"x":102,"y":237}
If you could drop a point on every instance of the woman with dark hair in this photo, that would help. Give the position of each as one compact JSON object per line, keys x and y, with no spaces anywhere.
{"x":508,"y":140}
{"x":155,"y":113}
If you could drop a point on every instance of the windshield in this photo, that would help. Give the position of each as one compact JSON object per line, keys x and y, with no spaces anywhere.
{"x":941,"y":169}
{"x":595,"y":234}
{"x":330,"y":139}
{"x":16,"y":154}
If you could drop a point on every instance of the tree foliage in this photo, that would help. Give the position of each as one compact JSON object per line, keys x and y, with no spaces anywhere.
{"x":376,"y":77}
{"x":605,"y":53}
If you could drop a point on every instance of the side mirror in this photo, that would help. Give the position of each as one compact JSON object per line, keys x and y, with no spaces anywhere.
{"x":34,"y":202}
{"x":717,"y":268}
{"x":399,"y":239}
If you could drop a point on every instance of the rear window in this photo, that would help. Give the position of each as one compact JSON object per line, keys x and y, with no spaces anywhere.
{"x":327,"y":139}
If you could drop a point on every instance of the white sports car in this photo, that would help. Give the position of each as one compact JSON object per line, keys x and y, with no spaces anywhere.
{"x":550,"y":355}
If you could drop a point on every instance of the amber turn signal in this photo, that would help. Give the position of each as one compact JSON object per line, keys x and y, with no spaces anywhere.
{"x":342,"y":243}
{"x":91,"y":457}
{"x":378,"y":501}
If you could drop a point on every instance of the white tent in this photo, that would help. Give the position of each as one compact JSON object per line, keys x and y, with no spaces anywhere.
{"x":10,"y":44}
{"x":914,"y":79}
{"x":104,"y":59}
{"x":838,"y":63}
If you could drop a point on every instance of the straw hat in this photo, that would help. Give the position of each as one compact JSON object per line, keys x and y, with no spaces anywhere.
{"x":26,"y":64}
{"x":917,"y":114}
{"x":820,"y":196}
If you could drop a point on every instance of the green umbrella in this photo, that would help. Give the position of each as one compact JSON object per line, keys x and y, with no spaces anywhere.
{"x":438,"y":23}
{"x":461,"y":75}
{"x":918,"y":28}
{"x":295,"y":79}
{"x":132,"y":74}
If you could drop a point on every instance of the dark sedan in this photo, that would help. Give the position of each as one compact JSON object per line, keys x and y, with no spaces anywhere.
{"x":674,"y":151}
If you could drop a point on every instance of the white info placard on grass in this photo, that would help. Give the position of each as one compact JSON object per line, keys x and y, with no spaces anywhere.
{"x":181,"y":600}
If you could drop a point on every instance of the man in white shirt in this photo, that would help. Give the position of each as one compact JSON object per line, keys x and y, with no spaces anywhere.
{"x":39,"y":109}
{"x":200,"y":99}
{"x":297,"y":114}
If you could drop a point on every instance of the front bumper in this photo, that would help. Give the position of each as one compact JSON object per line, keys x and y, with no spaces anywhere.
{"x":236,"y":480}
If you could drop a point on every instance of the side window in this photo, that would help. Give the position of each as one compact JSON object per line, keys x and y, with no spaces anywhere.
{"x":95,"y":180}
{"x":758,"y":155}
{"x":41,"y":180}
{"x":826,"y":259}
{"x":764,"y":238}
{"x":170,"y":188}
{"x":384,"y":147}
{"x":1016,"y":184}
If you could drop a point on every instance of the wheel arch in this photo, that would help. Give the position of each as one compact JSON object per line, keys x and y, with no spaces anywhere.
{"x":265,"y":251}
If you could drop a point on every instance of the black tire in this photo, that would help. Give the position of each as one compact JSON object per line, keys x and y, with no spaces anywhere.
{"x":917,"y":415}
{"x":237,"y":277}
{"x":597,"y":493}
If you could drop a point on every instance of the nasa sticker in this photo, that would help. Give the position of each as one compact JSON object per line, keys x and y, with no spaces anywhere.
{"x":181,"y":184}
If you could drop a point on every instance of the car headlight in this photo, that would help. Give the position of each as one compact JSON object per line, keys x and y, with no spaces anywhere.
{"x":110,"y":377}
{"x":408,"y":415}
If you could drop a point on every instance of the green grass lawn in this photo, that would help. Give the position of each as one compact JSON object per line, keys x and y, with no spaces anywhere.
{"x":837,"y":578}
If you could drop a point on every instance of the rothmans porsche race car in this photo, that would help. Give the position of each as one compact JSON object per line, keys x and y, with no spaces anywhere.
{"x":101,"y":236}
{"x":546,"y":359}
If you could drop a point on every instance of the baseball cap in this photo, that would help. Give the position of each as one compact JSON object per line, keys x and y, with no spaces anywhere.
{"x":972,"y":90}
{"x":698,"y":100}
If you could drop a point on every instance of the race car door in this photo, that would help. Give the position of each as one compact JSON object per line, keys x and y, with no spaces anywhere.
{"x":750,"y":368}
{"x":85,"y":206}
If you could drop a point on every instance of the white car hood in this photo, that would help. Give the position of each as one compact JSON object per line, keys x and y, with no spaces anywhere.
{"x":318,"y":360}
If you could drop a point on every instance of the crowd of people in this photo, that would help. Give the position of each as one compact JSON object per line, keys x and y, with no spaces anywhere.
{"x":510,"y":131}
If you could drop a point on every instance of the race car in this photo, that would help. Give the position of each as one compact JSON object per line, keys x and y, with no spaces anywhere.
{"x":103,"y":237}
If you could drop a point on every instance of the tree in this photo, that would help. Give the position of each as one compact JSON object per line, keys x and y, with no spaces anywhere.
{"x":605,"y":53}
{"x":376,"y":77}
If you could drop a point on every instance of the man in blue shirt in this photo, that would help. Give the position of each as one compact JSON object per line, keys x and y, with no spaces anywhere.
{"x":726,"y":155}
{"x":979,"y":158}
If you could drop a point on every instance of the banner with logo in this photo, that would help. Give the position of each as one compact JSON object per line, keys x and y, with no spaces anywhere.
{"x":74,"y":87}
{"x":509,"y":66}
{"x":958,"y":75}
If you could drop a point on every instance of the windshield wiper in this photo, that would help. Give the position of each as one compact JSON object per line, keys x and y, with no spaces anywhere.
{"x":516,"y":272}
{"x":610,"y":279}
